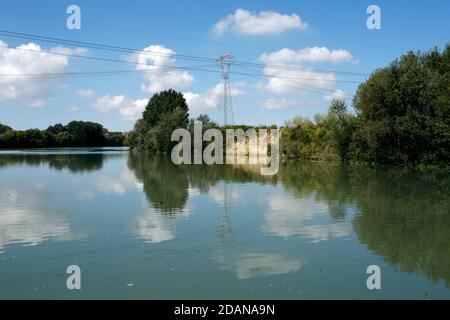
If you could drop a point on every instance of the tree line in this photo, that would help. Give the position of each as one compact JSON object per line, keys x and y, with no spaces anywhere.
{"x":74,"y":134}
{"x":401,"y":116}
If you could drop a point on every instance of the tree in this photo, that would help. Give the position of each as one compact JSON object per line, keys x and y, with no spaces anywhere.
{"x":403,"y":111}
{"x":56,"y":129}
{"x":163,"y":103}
{"x":75,"y":134}
{"x":4,"y":128}
{"x":86,"y":134}
{"x":165,"y":112}
{"x":341,"y":126}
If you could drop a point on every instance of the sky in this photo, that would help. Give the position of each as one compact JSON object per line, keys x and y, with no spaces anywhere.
{"x":291,"y":58}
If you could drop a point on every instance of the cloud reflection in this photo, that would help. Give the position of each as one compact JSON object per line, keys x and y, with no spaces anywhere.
{"x":253,"y":265}
{"x":27,"y":218}
{"x":305,"y":217}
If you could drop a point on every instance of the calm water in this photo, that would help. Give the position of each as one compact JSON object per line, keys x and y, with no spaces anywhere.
{"x":140,"y":227}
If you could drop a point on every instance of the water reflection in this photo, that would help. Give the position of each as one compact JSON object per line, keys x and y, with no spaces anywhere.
{"x":401,"y":215}
{"x":75,"y":163}
{"x":405,"y":217}
{"x":249,"y":265}
{"x":28,"y":219}
{"x":289,"y":216}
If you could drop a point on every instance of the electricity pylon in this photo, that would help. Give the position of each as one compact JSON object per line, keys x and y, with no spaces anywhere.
{"x":225,"y":116}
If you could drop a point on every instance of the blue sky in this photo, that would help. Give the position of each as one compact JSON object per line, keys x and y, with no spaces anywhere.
{"x":326,"y":44}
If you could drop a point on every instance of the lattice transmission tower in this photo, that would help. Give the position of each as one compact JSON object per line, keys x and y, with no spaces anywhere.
{"x":225,"y":116}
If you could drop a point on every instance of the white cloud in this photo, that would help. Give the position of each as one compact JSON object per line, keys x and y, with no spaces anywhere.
{"x":209,"y":99}
{"x":134,"y":111}
{"x":264,"y":22}
{"x":279,"y":104}
{"x":30,"y":59}
{"x":162,"y":74}
{"x":312,"y":54}
{"x":130,"y":109}
{"x":85,"y":93}
{"x":108,"y":103}
{"x":338,"y":94}
{"x":297,"y":81}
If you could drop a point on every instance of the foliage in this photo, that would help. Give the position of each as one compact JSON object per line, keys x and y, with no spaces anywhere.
{"x":74,"y":134}
{"x":403,"y":111}
{"x":402,"y":117}
{"x":165,"y":112}
{"x":4,"y":128}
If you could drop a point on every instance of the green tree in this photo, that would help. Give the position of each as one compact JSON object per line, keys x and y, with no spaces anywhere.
{"x":165,"y":112}
{"x":4,"y":128}
{"x":56,"y":129}
{"x":341,"y":126}
{"x":86,"y":134}
{"x":403,"y":111}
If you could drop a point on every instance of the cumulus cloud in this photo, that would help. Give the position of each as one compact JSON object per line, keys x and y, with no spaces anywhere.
{"x":28,"y":59}
{"x":264,"y":22}
{"x":85,"y":93}
{"x":158,"y":64}
{"x":209,"y":99}
{"x":134,"y":110}
{"x":279,"y":104}
{"x":298,"y":81}
{"x":338,"y":94}
{"x":129,"y":109}
{"x":311,"y":54}
{"x":287,"y":76}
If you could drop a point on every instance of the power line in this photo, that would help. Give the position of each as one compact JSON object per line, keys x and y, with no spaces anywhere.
{"x":174,"y":55}
{"x":101,"y":73}
{"x":160,"y":67}
{"x":286,"y":36}
{"x":133,"y":30}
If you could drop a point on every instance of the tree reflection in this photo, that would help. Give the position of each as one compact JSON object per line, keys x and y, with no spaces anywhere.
{"x":75,"y":163}
{"x":405,"y":217}
{"x":167,"y":185}
{"x":403,"y":214}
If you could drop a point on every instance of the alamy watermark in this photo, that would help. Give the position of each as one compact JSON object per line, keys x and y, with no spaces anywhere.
{"x":241,"y":147}
{"x":374,"y":280}
{"x":374,"y":20}
{"x":73,"y":282}
{"x":73,"y":22}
